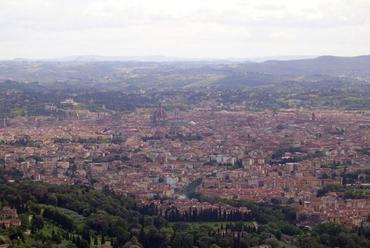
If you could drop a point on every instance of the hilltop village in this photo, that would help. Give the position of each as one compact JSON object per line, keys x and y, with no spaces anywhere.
{"x":314,"y":161}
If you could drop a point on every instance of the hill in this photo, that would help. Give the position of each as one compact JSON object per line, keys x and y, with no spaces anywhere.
{"x":120,"y":73}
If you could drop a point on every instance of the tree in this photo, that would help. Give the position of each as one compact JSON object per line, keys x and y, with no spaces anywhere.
{"x":183,"y":240}
{"x":133,"y":243}
{"x":37,"y":223}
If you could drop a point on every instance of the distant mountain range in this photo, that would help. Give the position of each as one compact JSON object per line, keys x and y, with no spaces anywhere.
{"x":159,"y":72}
{"x":160,"y":58}
{"x":324,"y":65}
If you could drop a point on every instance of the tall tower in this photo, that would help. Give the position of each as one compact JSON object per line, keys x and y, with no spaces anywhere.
{"x":313,"y":117}
{"x":4,"y":123}
{"x":159,"y":116}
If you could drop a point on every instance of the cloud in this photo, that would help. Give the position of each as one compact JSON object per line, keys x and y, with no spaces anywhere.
{"x":192,"y":28}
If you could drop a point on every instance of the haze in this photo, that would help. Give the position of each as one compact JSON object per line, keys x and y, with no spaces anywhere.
{"x":189,"y":29}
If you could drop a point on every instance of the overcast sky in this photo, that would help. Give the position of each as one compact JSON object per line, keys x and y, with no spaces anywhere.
{"x":183,"y":28}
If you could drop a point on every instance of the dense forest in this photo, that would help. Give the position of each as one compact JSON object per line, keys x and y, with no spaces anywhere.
{"x":80,"y":216}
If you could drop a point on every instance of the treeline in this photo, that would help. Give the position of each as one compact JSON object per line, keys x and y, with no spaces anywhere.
{"x":347,"y":192}
{"x":23,"y":140}
{"x":197,"y":215}
{"x":115,"y":139}
{"x":359,"y":176}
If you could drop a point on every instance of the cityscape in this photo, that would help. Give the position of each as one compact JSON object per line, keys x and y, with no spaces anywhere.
{"x":184,"y":124}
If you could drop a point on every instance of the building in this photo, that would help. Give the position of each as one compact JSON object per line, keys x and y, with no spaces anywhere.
{"x":9,"y":217}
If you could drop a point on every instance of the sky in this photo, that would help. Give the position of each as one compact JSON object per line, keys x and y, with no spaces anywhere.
{"x":183,"y":28}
